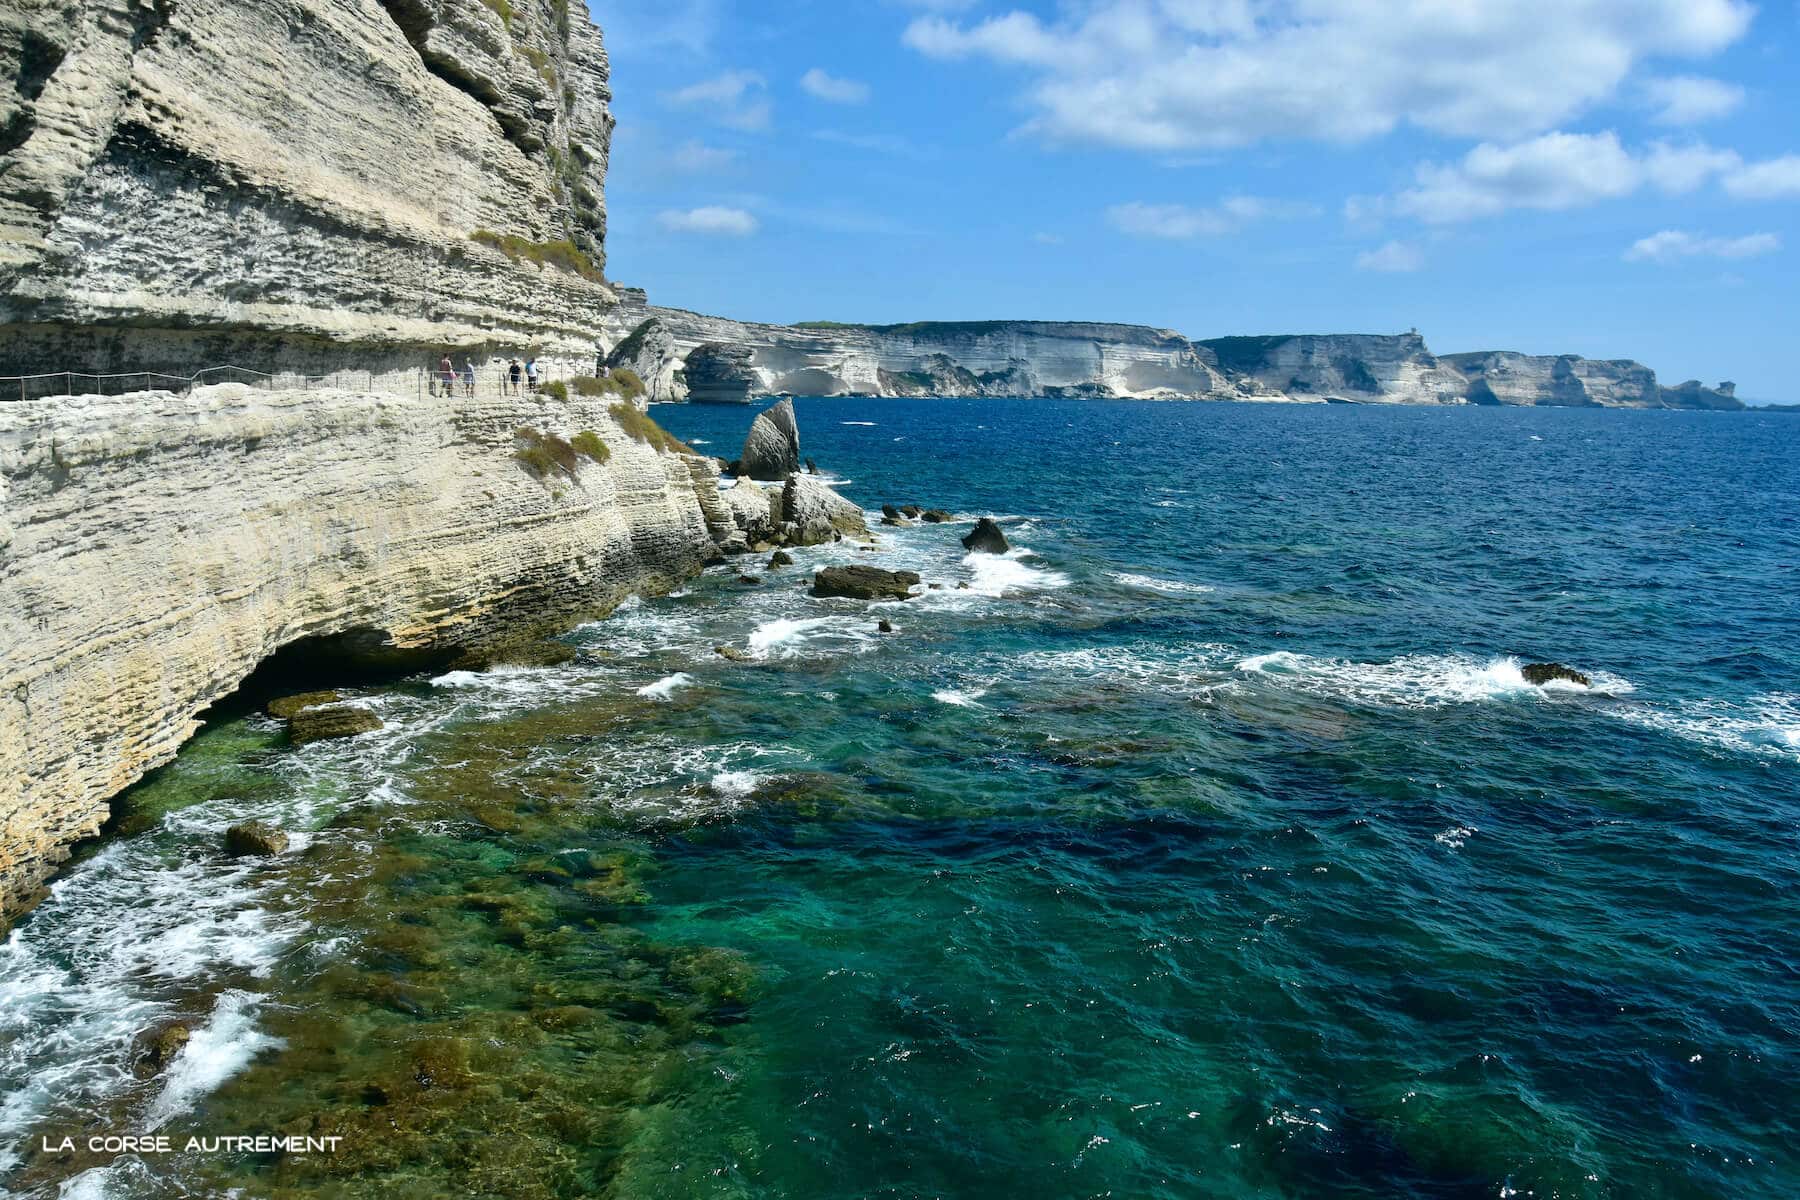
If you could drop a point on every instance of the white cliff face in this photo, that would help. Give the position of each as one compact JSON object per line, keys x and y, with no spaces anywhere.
{"x":1368,"y":367}
{"x":992,"y":358}
{"x":1503,"y":377}
{"x":299,"y":185}
{"x":154,"y":550}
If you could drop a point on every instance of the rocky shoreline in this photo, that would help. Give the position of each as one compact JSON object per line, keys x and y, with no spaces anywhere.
{"x":156,"y":551}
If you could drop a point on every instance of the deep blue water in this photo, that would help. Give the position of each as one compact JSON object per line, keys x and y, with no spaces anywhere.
{"x":1209,"y":845}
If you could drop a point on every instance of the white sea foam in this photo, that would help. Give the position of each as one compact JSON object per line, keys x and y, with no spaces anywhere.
{"x":998,"y":574}
{"x":1152,"y":584}
{"x":960,"y":699}
{"x":698,"y":442}
{"x":216,"y":1051}
{"x":736,"y":785}
{"x":1456,"y":836}
{"x":1414,"y":680}
{"x":870,"y":424}
{"x":790,"y":637}
{"x":666,"y":687}
{"x":1767,"y":726}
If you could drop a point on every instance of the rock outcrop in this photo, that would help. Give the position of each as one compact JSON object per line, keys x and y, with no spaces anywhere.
{"x":720,"y":373}
{"x":649,"y":351}
{"x":986,"y":538}
{"x":864,"y":583}
{"x":301,"y":186}
{"x":772,"y":449}
{"x":1371,"y":367}
{"x":155,"y":549}
{"x":811,"y":513}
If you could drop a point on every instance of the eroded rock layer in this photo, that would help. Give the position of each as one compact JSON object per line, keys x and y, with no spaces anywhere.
{"x":304,"y":185}
{"x":154,"y":550}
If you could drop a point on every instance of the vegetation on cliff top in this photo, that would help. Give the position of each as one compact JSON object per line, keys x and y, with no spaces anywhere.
{"x":638,"y":425}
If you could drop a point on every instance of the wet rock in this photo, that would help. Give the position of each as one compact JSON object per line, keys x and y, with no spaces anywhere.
{"x":772,"y":450}
{"x":864,"y":583}
{"x":1538,"y":674}
{"x":255,"y":838}
{"x":911,"y":512}
{"x":334,"y":721}
{"x":884,"y":626}
{"x":540,"y":653}
{"x":287,"y":706}
{"x":935,"y":516}
{"x":732,"y":653}
{"x":987,"y":538}
{"x":749,"y":579}
{"x":158,"y":1049}
{"x":890,"y":512}
{"x":781,"y":558}
{"x":811,"y":467}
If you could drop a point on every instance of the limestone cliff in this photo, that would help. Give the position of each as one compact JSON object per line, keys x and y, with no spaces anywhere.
{"x":927,"y":358}
{"x":716,"y":360}
{"x":154,"y":550}
{"x":301,"y":185}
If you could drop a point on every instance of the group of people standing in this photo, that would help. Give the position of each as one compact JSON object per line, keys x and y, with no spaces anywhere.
{"x":445,"y":378}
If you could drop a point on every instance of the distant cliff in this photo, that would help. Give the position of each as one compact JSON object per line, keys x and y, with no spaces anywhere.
{"x":298,"y":186}
{"x":685,"y":355}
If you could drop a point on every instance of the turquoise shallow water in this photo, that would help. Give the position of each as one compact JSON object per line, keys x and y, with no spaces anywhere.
{"x":1210,"y":845}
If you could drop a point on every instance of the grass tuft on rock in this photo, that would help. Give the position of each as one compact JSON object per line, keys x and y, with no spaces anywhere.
{"x":588,"y":443}
{"x":620,"y":381}
{"x":562,"y":254}
{"x":557,"y":390}
{"x":640,"y":427}
{"x":545,"y":454}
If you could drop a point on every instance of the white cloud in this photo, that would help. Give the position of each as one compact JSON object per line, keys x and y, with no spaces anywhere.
{"x":711,"y":219}
{"x":735,"y":98}
{"x":1178,"y":222}
{"x":1553,"y":172}
{"x":697,"y":156}
{"x":1691,"y":99}
{"x":832,"y":89}
{"x":1169,"y":75}
{"x":1772,"y":179}
{"x":1673,"y":244}
{"x":1392,"y":257}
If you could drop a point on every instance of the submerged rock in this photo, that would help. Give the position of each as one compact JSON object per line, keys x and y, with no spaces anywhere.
{"x":335,"y":721}
{"x":731,"y":653}
{"x":911,"y":512}
{"x":772,"y":449}
{"x":255,"y":838}
{"x":987,"y":538}
{"x":160,"y":1048}
{"x":781,"y":558}
{"x":884,"y":626}
{"x":1538,"y":674}
{"x":287,"y":706}
{"x":935,"y":516}
{"x":864,"y":583}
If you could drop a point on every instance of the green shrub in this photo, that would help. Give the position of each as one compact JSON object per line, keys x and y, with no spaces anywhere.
{"x":557,"y":389}
{"x":588,"y":442}
{"x":502,"y":9}
{"x":640,"y":427}
{"x":544,"y":454}
{"x":588,"y":385}
{"x":561,"y":254}
{"x":626,"y":382}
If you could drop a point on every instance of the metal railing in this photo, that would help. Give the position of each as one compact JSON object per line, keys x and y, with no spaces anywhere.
{"x":489,"y":381}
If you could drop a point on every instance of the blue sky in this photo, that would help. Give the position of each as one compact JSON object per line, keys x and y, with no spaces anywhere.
{"x":1614,"y":178}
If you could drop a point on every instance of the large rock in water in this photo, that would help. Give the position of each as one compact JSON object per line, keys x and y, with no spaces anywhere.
{"x":987,"y":538}
{"x":255,"y":838}
{"x":812,"y":513}
{"x":718,"y":373}
{"x":330,"y":721}
{"x":1538,"y":674}
{"x":772,"y":449}
{"x":864,"y":583}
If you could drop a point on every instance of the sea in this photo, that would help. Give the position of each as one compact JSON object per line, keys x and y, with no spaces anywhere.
{"x":1210,"y":843}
